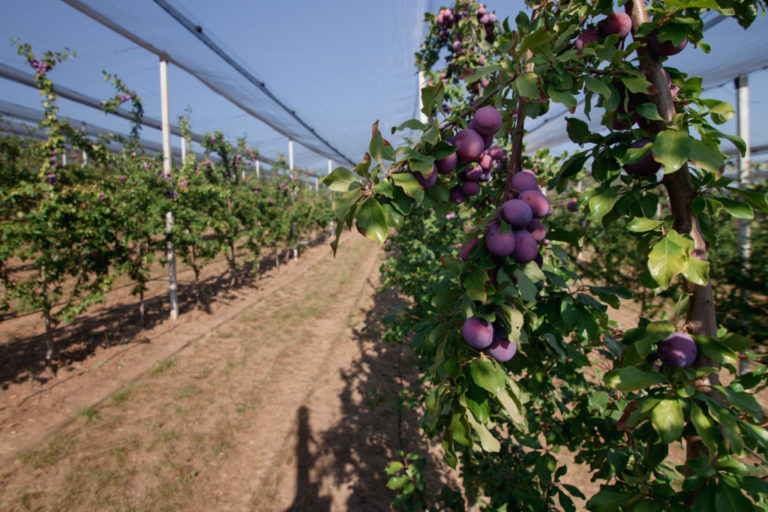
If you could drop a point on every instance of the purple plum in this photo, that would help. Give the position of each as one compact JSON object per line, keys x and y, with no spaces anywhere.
{"x":469,"y":144}
{"x":664,"y":48}
{"x":498,"y":243}
{"x":487,"y":121}
{"x":516,"y":213}
{"x":524,"y":180}
{"x":678,"y":350}
{"x":616,"y":23}
{"x":526,"y":247}
{"x":464,"y":253}
{"x":478,"y":333}
{"x":501,"y":349}
{"x":647,"y":166}
{"x":537,"y":201}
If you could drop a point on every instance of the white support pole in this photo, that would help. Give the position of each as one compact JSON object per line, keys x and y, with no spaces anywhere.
{"x":166,"y":124}
{"x":85,"y":155}
{"x":258,"y":169}
{"x":317,"y":184}
{"x":744,"y":175}
{"x":183,"y":151}
{"x":290,"y":155}
{"x":422,"y":83}
{"x":330,"y":166}
{"x":64,"y":157}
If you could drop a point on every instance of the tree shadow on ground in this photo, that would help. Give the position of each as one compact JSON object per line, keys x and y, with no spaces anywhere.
{"x":22,"y":359}
{"x":355,"y":452}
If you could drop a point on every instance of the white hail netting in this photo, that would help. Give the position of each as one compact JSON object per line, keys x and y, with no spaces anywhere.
{"x":352,"y":66}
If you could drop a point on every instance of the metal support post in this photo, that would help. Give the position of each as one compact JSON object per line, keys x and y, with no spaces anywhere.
{"x":167,"y":161}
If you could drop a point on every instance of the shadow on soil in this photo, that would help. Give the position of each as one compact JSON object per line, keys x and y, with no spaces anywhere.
{"x":355,"y":452}
{"x":23,"y":358}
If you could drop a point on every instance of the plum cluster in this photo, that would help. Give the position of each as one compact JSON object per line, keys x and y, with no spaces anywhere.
{"x":41,"y":67}
{"x":620,"y":23}
{"x":518,"y":230}
{"x":492,"y":338}
{"x":475,"y":157}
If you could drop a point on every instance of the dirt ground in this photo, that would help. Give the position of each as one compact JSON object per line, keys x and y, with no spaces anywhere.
{"x":263,"y":399}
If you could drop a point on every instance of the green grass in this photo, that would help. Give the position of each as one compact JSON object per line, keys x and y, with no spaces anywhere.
{"x":161,"y":367}
{"x":118,"y":399}
{"x":87,"y":414}
{"x":56,"y":448}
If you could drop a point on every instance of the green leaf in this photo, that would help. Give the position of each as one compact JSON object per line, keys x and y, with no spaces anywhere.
{"x":429,"y":98}
{"x":343,"y":202}
{"x":632,"y":379}
{"x":672,"y":149}
{"x":526,"y":287}
{"x":487,"y":441}
{"x":372,"y":220}
{"x":481,"y":72}
{"x":735,"y":208}
{"x":527,"y":85}
{"x":534,"y":39}
{"x":474,"y":284}
{"x":488,"y":375}
{"x":411,"y":124}
{"x":425,"y":164}
{"x":602,"y":202}
{"x":641,"y":224}
{"x":665,"y":261}
{"x":705,"y":427}
{"x":649,"y":111}
{"x":697,"y":271}
{"x":516,"y":321}
{"x":720,"y":111}
{"x":728,"y":498}
{"x":708,"y":157}
{"x":379,"y":148}
{"x":410,"y":185}
{"x":393,"y":467}
{"x":598,"y":86}
{"x":715,"y":351}
{"x":339,"y":180}
{"x":578,"y":130}
{"x":564,"y":97}
{"x":729,"y":428}
{"x":755,"y":198}
{"x":667,"y":420}
{"x":459,"y":430}
{"x":636,"y":83}
{"x":744,"y":401}
{"x":397,"y":482}
{"x":609,"y":500}
{"x":735,"y":342}
{"x":513,"y":406}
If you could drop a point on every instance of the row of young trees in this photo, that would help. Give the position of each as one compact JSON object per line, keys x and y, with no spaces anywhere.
{"x":518,"y":356}
{"x":69,"y":230}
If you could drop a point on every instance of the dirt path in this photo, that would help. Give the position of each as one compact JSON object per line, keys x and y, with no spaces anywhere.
{"x":265,"y":404}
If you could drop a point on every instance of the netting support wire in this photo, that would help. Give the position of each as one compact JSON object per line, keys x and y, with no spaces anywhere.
{"x":24,"y":78}
{"x":167,"y":161}
{"x":200,"y":34}
{"x":290,"y":154}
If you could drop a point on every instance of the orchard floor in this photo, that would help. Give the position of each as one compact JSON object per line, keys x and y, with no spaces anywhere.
{"x":263,"y":398}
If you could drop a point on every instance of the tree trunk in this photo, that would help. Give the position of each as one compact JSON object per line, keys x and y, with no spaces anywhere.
{"x":50,"y":346}
{"x":701,"y":316}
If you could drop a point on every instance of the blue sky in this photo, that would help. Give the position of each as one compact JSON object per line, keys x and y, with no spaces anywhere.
{"x":340,"y":64}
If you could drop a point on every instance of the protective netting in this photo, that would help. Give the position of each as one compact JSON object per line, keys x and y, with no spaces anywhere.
{"x":735,"y":52}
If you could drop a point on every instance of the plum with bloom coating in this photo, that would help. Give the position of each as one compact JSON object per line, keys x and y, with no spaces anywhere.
{"x":469,"y":144}
{"x":678,"y":350}
{"x":478,"y":333}
{"x":487,"y":121}
{"x":516,"y":213}
{"x":501,"y":349}
{"x":498,"y":243}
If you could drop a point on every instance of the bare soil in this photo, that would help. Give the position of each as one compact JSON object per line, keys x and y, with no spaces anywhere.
{"x":263,"y":399}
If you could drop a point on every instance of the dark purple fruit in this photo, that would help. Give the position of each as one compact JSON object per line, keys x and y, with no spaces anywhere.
{"x":524,"y":180}
{"x":478,"y":333}
{"x":498,"y":243}
{"x":537,"y":229}
{"x":678,"y":350}
{"x":647,"y":166}
{"x":464,"y":253}
{"x":588,"y":36}
{"x":526,"y":247}
{"x":616,"y":23}
{"x":469,"y":144}
{"x":501,"y":349}
{"x":516,"y":213}
{"x":487,"y":121}
{"x":537,"y":201}
{"x":664,"y":48}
